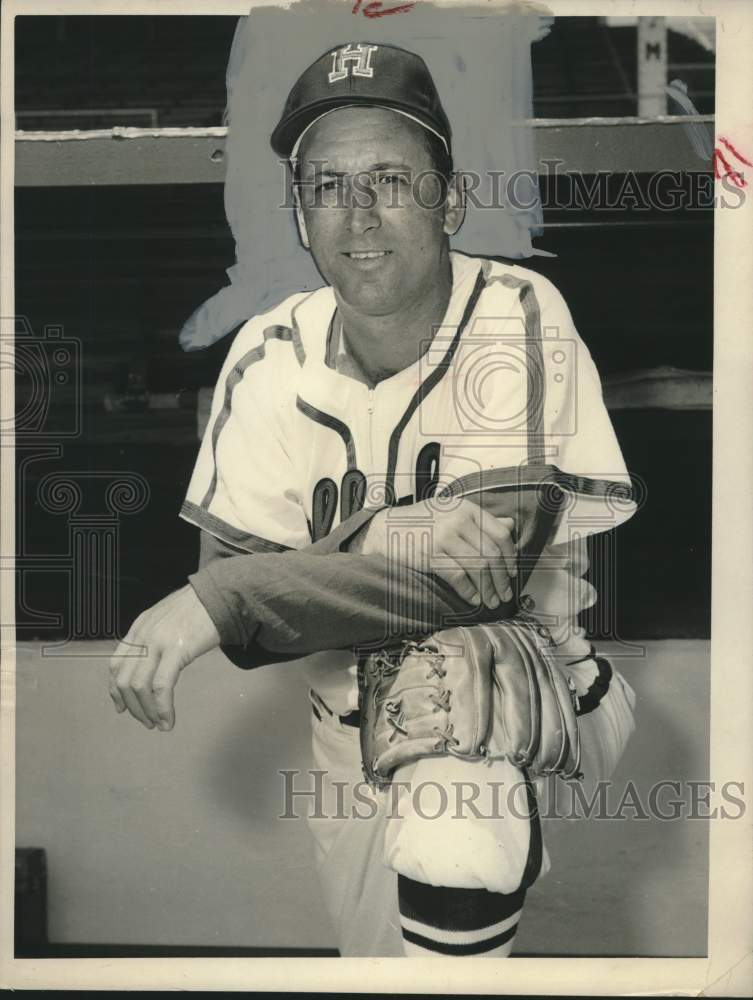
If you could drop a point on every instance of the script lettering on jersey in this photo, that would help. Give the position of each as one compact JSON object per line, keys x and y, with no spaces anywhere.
{"x":352,"y":492}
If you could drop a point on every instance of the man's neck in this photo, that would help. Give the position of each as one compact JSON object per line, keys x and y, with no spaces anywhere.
{"x":385,"y":345}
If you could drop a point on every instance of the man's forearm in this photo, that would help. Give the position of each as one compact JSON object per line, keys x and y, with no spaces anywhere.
{"x":295,"y":603}
{"x":251,"y":653}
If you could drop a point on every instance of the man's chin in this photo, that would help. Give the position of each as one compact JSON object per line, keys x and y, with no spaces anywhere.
{"x":369,"y":298}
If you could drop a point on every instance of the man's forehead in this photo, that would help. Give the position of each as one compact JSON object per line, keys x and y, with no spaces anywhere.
{"x":335,"y":168}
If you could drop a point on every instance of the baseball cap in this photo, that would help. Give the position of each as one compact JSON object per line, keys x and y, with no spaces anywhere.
{"x":361,"y":74}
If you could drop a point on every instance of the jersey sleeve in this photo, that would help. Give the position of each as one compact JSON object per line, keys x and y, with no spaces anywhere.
{"x":555,"y":439}
{"x":244,"y":488}
{"x":580,"y":447}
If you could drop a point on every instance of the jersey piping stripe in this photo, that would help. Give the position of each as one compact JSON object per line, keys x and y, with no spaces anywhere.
{"x":534,"y":366}
{"x":515,"y":476}
{"x":333,"y":339}
{"x":429,"y":383}
{"x":327,"y":420}
{"x":226,"y":532}
{"x":296,"y":333}
{"x":234,"y":378}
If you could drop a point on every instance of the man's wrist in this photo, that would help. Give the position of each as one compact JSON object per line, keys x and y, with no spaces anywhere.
{"x":217,"y":607}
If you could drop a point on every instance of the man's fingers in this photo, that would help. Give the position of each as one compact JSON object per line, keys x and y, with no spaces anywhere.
{"x":501,"y":530}
{"x":488,"y":567}
{"x":500,"y":580}
{"x":164,"y":687}
{"x":146,"y":664}
{"x":484,"y":583}
{"x":499,"y":567}
{"x":465,"y":554}
{"x":117,"y":697}
{"x":144,"y":686}
{"x":120,"y":705}
{"x":141,"y":684}
{"x":456,"y":577}
{"x":122,"y":663}
{"x":495,"y":542}
{"x":123,"y":666}
{"x":134,"y":705}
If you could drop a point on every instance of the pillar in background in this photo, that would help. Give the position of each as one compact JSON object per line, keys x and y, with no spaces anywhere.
{"x":652,"y":66}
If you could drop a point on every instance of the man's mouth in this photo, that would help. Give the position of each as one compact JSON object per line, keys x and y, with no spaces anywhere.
{"x":367,"y":254}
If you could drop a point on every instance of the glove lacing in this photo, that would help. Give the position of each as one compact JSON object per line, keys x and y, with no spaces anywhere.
{"x":394,"y":716}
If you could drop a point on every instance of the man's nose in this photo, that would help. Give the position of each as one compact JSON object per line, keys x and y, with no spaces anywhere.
{"x":363,"y":210}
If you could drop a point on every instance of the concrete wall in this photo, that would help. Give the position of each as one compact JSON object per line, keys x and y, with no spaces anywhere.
{"x":174,"y":839}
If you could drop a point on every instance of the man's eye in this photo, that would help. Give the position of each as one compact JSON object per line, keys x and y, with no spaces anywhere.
{"x":326,"y":187}
{"x":391,"y":178}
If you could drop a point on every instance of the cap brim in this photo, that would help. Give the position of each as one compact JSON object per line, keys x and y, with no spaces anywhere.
{"x":287,"y":132}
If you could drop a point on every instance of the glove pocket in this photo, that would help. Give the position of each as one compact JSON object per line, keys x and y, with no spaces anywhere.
{"x":516,"y":713}
{"x":559,"y":751}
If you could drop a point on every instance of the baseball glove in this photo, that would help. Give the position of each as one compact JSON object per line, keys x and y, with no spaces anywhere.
{"x":484,"y":691}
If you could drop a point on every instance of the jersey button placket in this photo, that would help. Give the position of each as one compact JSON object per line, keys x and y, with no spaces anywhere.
{"x":370,"y":411}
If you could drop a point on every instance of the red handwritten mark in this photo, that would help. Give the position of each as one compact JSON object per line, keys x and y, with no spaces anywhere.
{"x":375,"y":8}
{"x":722,"y":166}
{"x":725,"y":142}
{"x":727,"y":170}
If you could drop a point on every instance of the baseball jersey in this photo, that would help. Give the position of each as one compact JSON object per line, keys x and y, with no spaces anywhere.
{"x":506,"y":394}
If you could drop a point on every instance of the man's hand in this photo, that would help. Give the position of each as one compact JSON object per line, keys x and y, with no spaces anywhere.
{"x":161,"y":642}
{"x":470,"y":550}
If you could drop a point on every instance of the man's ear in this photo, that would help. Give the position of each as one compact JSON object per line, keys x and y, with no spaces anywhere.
{"x":454,"y":210}
{"x":300,"y":220}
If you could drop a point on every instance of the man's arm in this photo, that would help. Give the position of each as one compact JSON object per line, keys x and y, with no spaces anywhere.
{"x":363,"y":585}
{"x":340,"y":539}
{"x":281,"y":606}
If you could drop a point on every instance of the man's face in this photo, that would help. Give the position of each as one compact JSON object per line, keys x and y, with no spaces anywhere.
{"x":376,"y":236}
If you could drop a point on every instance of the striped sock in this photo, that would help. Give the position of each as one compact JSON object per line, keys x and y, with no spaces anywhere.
{"x":437,"y":920}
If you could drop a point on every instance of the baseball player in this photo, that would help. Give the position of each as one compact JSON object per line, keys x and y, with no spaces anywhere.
{"x":420,"y":441}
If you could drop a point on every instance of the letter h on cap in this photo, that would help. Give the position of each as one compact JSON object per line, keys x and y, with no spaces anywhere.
{"x":358,"y":56}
